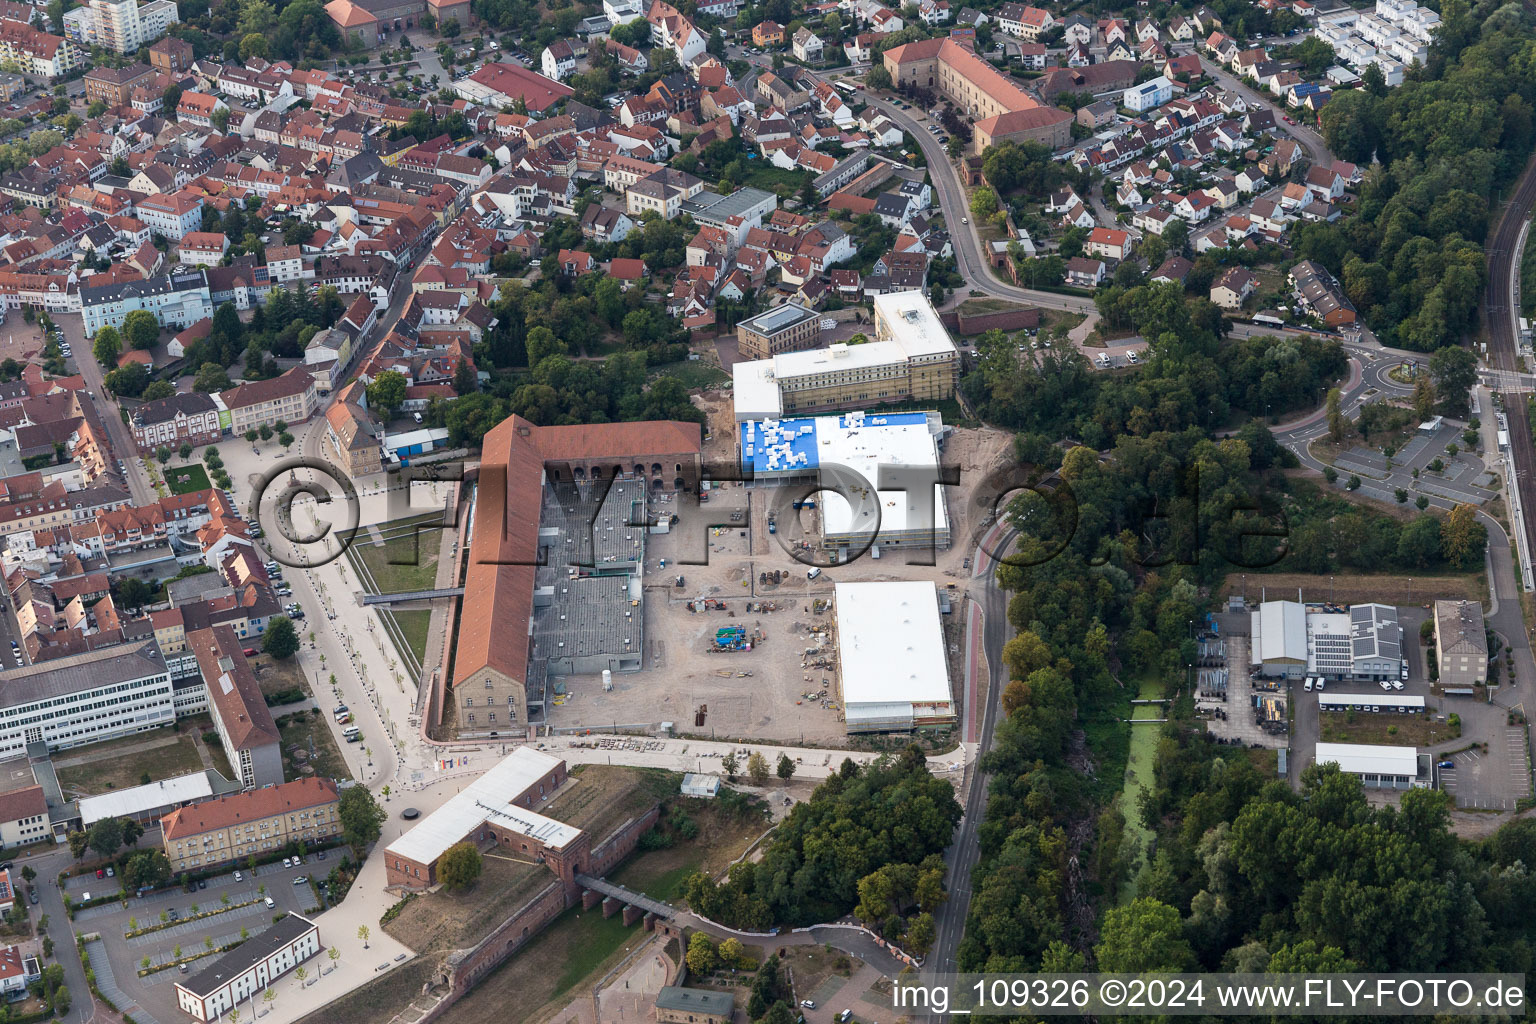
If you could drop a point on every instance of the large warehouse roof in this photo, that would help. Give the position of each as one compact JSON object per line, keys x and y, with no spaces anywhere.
{"x":1333,"y":701}
{"x":891,"y":645}
{"x":488,"y":799}
{"x":1280,"y":632}
{"x":1366,"y":759}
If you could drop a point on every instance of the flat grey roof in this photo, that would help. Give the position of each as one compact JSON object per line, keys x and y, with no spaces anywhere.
{"x":713,"y":207}
{"x":778,"y":318}
{"x":600,"y":536}
{"x":699,"y":1000}
{"x":88,"y":671}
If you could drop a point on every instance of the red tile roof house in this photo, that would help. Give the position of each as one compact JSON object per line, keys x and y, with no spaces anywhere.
{"x":574,"y":262}
{"x":198,"y":108}
{"x":629,"y":271}
{"x":1110,"y":243}
{"x":205,"y":248}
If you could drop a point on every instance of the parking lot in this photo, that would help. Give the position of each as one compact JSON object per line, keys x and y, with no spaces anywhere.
{"x":1496,"y":780}
{"x":156,"y":992}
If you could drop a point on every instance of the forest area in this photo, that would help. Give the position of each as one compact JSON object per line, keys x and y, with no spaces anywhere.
{"x":1244,"y":874}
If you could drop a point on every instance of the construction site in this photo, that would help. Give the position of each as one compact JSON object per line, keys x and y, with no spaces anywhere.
{"x":743,"y":634}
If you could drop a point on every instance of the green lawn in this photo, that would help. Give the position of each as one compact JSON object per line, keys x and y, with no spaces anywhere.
{"x":769,"y":178}
{"x":406,"y":562}
{"x":665,"y":884}
{"x":1138,"y":776}
{"x":413,"y":625}
{"x":186,"y":479}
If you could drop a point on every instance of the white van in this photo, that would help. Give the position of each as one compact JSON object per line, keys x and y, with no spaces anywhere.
{"x":1321,"y":682}
{"x":1309,"y":684}
{"x":811,"y":574}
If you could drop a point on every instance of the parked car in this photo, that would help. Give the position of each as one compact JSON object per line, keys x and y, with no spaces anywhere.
{"x":1446,"y":764}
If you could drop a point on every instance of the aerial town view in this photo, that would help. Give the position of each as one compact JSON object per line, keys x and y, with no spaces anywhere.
{"x":576,"y":513}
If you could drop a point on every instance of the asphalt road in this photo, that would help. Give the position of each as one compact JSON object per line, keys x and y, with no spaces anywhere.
{"x":121,"y":438}
{"x":970,"y":258}
{"x":1309,"y":139}
{"x":964,"y":852}
{"x":82,"y":1006}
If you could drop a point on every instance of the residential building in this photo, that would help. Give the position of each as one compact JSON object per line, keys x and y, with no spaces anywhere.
{"x":1233,"y":287}
{"x":251,"y":967}
{"x":114,"y":86}
{"x":189,"y":417}
{"x":17,"y":972}
{"x":1111,"y":243}
{"x":290,"y":397}
{"x":807,"y":46}
{"x":203,"y":248}
{"x":1320,"y":295}
{"x":785,"y":328}
{"x":171,"y":55}
{"x":122,"y":26}
{"x":173,"y":214}
{"x":768,"y":33}
{"x":662,"y":192}
{"x":254,"y":823}
{"x":1461,"y":644}
{"x":239,"y":710}
{"x":1085,"y":273}
{"x":35,"y":52}
{"x":179,"y":299}
{"x":1149,"y":95}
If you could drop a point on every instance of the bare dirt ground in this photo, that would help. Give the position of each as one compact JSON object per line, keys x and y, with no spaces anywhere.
{"x":20,"y":340}
{"x":711,"y":694}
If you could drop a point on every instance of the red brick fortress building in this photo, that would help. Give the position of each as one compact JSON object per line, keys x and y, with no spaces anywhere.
{"x":1000,"y":110}
{"x":496,"y":659}
{"x":496,"y":809}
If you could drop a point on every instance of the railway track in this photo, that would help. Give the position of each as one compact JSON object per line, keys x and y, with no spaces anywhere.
{"x":1501,"y":308}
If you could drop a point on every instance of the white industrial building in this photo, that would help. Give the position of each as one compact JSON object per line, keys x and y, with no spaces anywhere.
{"x":1291,"y":641}
{"x":895,"y":675}
{"x":1378,"y":767}
{"x":884,"y":468}
{"x":1279,"y":639}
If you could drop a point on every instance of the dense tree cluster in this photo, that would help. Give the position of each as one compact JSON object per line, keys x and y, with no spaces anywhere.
{"x":880,"y":820}
{"x":1249,"y":875}
{"x":1192,"y":378}
{"x":279,"y":329}
{"x":1448,"y":139}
